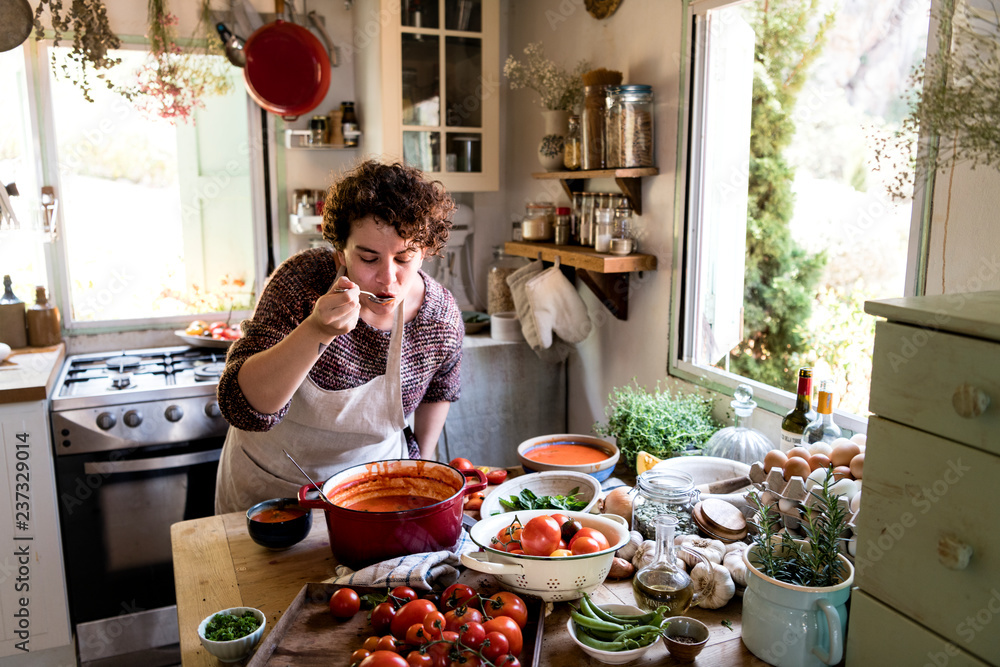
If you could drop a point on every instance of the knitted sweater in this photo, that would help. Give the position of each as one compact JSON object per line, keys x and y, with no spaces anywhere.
{"x":432,"y":342}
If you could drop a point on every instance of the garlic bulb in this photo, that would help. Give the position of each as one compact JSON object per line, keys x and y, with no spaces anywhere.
{"x":713,"y":596}
{"x":733,"y":562}
{"x":627,"y":550}
{"x":618,"y":501}
{"x":644,"y":554}
{"x":713,"y":550}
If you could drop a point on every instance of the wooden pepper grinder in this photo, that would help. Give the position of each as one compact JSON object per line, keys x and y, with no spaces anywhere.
{"x":43,"y":321}
{"x":13,"y":330}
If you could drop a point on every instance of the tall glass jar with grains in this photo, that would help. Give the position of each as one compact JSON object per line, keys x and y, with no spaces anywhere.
{"x":498,"y":297}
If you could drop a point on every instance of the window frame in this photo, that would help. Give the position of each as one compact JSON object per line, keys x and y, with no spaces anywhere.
{"x":37,"y":68}
{"x":685,"y":259}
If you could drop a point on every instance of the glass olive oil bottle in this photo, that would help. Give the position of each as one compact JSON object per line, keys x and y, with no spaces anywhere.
{"x":798,"y":418}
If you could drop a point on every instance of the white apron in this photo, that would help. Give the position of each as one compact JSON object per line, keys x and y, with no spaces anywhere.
{"x":324,"y":431}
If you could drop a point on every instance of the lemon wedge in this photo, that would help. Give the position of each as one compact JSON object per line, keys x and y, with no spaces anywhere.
{"x":644,"y":461}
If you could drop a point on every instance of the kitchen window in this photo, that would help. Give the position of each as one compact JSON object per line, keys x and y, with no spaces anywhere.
{"x":156,"y":221}
{"x":768,"y":287}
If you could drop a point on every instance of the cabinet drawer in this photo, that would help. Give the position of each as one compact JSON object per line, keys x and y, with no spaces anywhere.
{"x":923,"y":494}
{"x":878,"y":635}
{"x":916,"y":372}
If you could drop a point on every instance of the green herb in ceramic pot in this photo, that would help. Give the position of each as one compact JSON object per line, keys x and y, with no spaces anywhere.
{"x":226,"y":627}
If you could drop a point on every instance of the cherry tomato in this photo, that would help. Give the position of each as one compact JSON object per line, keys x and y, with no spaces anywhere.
{"x":370,"y":643}
{"x":568,"y":529}
{"x":344,"y":603}
{"x":560,"y":518}
{"x":506,"y":626}
{"x":441,"y":652}
{"x":382,"y":616}
{"x":216,"y":325}
{"x":434,"y":624}
{"x":467,"y":659}
{"x":508,"y":537}
{"x":229,"y":333}
{"x":560,"y":553}
{"x":472,"y":635}
{"x":474,"y":501}
{"x":384,"y":659}
{"x":387,"y":643}
{"x":417,"y":635}
{"x":496,"y":476}
{"x":540,"y":536}
{"x":506,"y":603}
{"x":418,"y":659}
{"x":495,"y":645}
{"x":508,"y":661}
{"x":404,"y":593}
{"x":462,"y":464}
{"x":410,"y":613}
{"x":585,"y":545}
{"x":456,"y":595}
{"x":594,"y":533}
{"x":359,"y":655}
{"x":456,"y":618}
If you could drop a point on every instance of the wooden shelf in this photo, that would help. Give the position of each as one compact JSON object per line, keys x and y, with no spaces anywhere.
{"x":627,"y":180}
{"x":605,"y":274}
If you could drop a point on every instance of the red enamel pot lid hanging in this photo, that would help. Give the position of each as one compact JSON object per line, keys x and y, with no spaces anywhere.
{"x":288,"y":70}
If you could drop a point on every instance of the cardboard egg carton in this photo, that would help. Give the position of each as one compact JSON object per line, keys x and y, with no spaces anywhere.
{"x":789,"y":499}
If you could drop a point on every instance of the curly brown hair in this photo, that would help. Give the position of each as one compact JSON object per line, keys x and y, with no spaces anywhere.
{"x":396,"y":194}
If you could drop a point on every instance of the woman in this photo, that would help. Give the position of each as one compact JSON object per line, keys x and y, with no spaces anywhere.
{"x":329,"y":375}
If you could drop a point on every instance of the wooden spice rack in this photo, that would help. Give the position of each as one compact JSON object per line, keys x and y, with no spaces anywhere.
{"x":605,"y":274}
{"x":626,"y":179}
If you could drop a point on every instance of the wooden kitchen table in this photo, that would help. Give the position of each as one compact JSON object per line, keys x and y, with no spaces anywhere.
{"x":217,"y":565}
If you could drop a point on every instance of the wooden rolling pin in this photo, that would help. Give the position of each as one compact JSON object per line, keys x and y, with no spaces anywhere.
{"x":724,"y":485}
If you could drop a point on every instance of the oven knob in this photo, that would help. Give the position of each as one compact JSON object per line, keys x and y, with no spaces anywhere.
{"x":212,"y":410}
{"x":174,"y":413}
{"x":106,"y":421}
{"x":132,"y":418}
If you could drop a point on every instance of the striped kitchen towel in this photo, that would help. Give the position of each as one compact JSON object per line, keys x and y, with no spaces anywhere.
{"x":419,"y":571}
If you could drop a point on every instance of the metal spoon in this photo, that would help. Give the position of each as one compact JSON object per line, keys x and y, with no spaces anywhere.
{"x":371,"y":297}
{"x":315,"y":485}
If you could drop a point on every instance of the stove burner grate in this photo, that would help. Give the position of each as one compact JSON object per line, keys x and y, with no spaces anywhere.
{"x":123,"y":361}
{"x":210,"y":371}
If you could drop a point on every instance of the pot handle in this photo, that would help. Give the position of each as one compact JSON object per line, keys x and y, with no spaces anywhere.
{"x":308,"y":502}
{"x":476,"y":561}
{"x":479,"y":485}
{"x":836,"y":652}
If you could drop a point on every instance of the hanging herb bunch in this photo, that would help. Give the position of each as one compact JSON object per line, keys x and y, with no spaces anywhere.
{"x":92,"y":39}
{"x":173,"y":82}
{"x":953,"y":98}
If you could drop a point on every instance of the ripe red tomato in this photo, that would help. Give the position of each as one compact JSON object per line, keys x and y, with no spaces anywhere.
{"x":496,"y":476}
{"x":387,"y":643}
{"x":585,"y":545}
{"x":467,"y":659}
{"x":560,"y":519}
{"x":410,"y":613}
{"x":359,"y":655}
{"x":404,"y":593}
{"x":508,"y":538}
{"x":344,"y":603}
{"x":472,"y":635}
{"x":370,"y":643}
{"x":506,"y":626}
{"x":456,"y":618}
{"x":462,"y":464}
{"x":591,"y":532}
{"x":474,"y":501}
{"x":508,"y":661}
{"x":230,"y":333}
{"x":495,"y":645}
{"x":382,"y":616}
{"x":540,"y":536}
{"x":384,"y":659}
{"x":417,"y":635}
{"x":434,"y":624}
{"x":418,"y":659}
{"x":456,"y":595}
{"x":506,"y":603}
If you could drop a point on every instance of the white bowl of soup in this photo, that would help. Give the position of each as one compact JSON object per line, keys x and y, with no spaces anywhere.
{"x":569,"y":452}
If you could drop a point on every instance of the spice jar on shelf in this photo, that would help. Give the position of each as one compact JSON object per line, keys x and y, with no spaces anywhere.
{"x":571,"y":145}
{"x":602,"y":229}
{"x":538,"y":221}
{"x":661,"y":492}
{"x":498,"y":294}
{"x":621,"y":234}
{"x":562,"y":226}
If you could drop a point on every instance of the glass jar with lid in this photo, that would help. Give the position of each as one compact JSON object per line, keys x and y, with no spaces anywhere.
{"x":571,"y":146}
{"x":498,"y":294}
{"x":621,"y":233}
{"x":630,"y":126}
{"x":539,"y":218}
{"x":661,"y":492}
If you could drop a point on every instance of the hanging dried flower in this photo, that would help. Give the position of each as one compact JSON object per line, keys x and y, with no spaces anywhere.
{"x":559,"y":89}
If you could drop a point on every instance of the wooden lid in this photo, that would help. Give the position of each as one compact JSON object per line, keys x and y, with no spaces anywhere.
{"x":720,"y":519}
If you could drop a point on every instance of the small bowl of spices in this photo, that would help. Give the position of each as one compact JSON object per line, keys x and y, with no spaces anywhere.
{"x":278,"y":523}
{"x":685,"y":637}
{"x":231,"y":634}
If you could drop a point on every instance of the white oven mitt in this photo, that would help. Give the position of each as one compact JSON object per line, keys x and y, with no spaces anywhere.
{"x":556,"y":307}
{"x":517,"y":281}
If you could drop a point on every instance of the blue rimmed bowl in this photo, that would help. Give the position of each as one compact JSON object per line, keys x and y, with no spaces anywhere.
{"x":601,"y":469}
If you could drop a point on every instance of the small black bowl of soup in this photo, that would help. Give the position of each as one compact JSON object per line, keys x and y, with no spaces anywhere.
{"x":278,"y":523}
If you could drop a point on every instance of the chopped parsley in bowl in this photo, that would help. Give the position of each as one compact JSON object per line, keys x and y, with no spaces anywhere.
{"x":231,"y":634}
{"x":226,"y":627}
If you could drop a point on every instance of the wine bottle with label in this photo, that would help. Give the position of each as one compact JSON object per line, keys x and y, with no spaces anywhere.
{"x":798,"y":418}
{"x":822,"y":429}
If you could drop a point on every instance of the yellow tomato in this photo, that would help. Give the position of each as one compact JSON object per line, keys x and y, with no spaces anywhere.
{"x":558,"y":553}
{"x":196,"y":328}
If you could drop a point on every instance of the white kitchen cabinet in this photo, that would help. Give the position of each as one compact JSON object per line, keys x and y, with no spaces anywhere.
{"x":928,"y":551}
{"x":427,"y":81}
{"x":32,"y":580}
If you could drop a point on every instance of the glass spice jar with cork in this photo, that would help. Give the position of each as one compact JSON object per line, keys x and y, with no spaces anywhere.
{"x":43,"y":321}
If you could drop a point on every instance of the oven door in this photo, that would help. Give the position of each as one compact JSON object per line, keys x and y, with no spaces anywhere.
{"x":116,"y":508}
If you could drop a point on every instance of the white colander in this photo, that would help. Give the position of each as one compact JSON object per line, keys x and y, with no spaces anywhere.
{"x":551,"y":579}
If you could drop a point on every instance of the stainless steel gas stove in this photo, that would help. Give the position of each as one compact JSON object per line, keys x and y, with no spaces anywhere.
{"x":137,"y":437}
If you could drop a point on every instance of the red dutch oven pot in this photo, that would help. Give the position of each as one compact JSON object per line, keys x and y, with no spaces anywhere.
{"x":287,"y":70}
{"x":359,"y":538}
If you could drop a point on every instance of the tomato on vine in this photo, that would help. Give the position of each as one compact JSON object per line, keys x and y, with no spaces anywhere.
{"x":456,"y":595}
{"x":344,"y":603}
{"x":508,"y":604}
{"x":384,"y":659}
{"x":495,"y":644}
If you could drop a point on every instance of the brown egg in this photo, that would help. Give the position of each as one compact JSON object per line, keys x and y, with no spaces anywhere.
{"x":774,"y":459}
{"x":819,"y":461}
{"x":858,"y":465}
{"x":841,"y":472}
{"x":795,"y":467}
{"x":843,"y":452}
{"x":800,"y":452}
